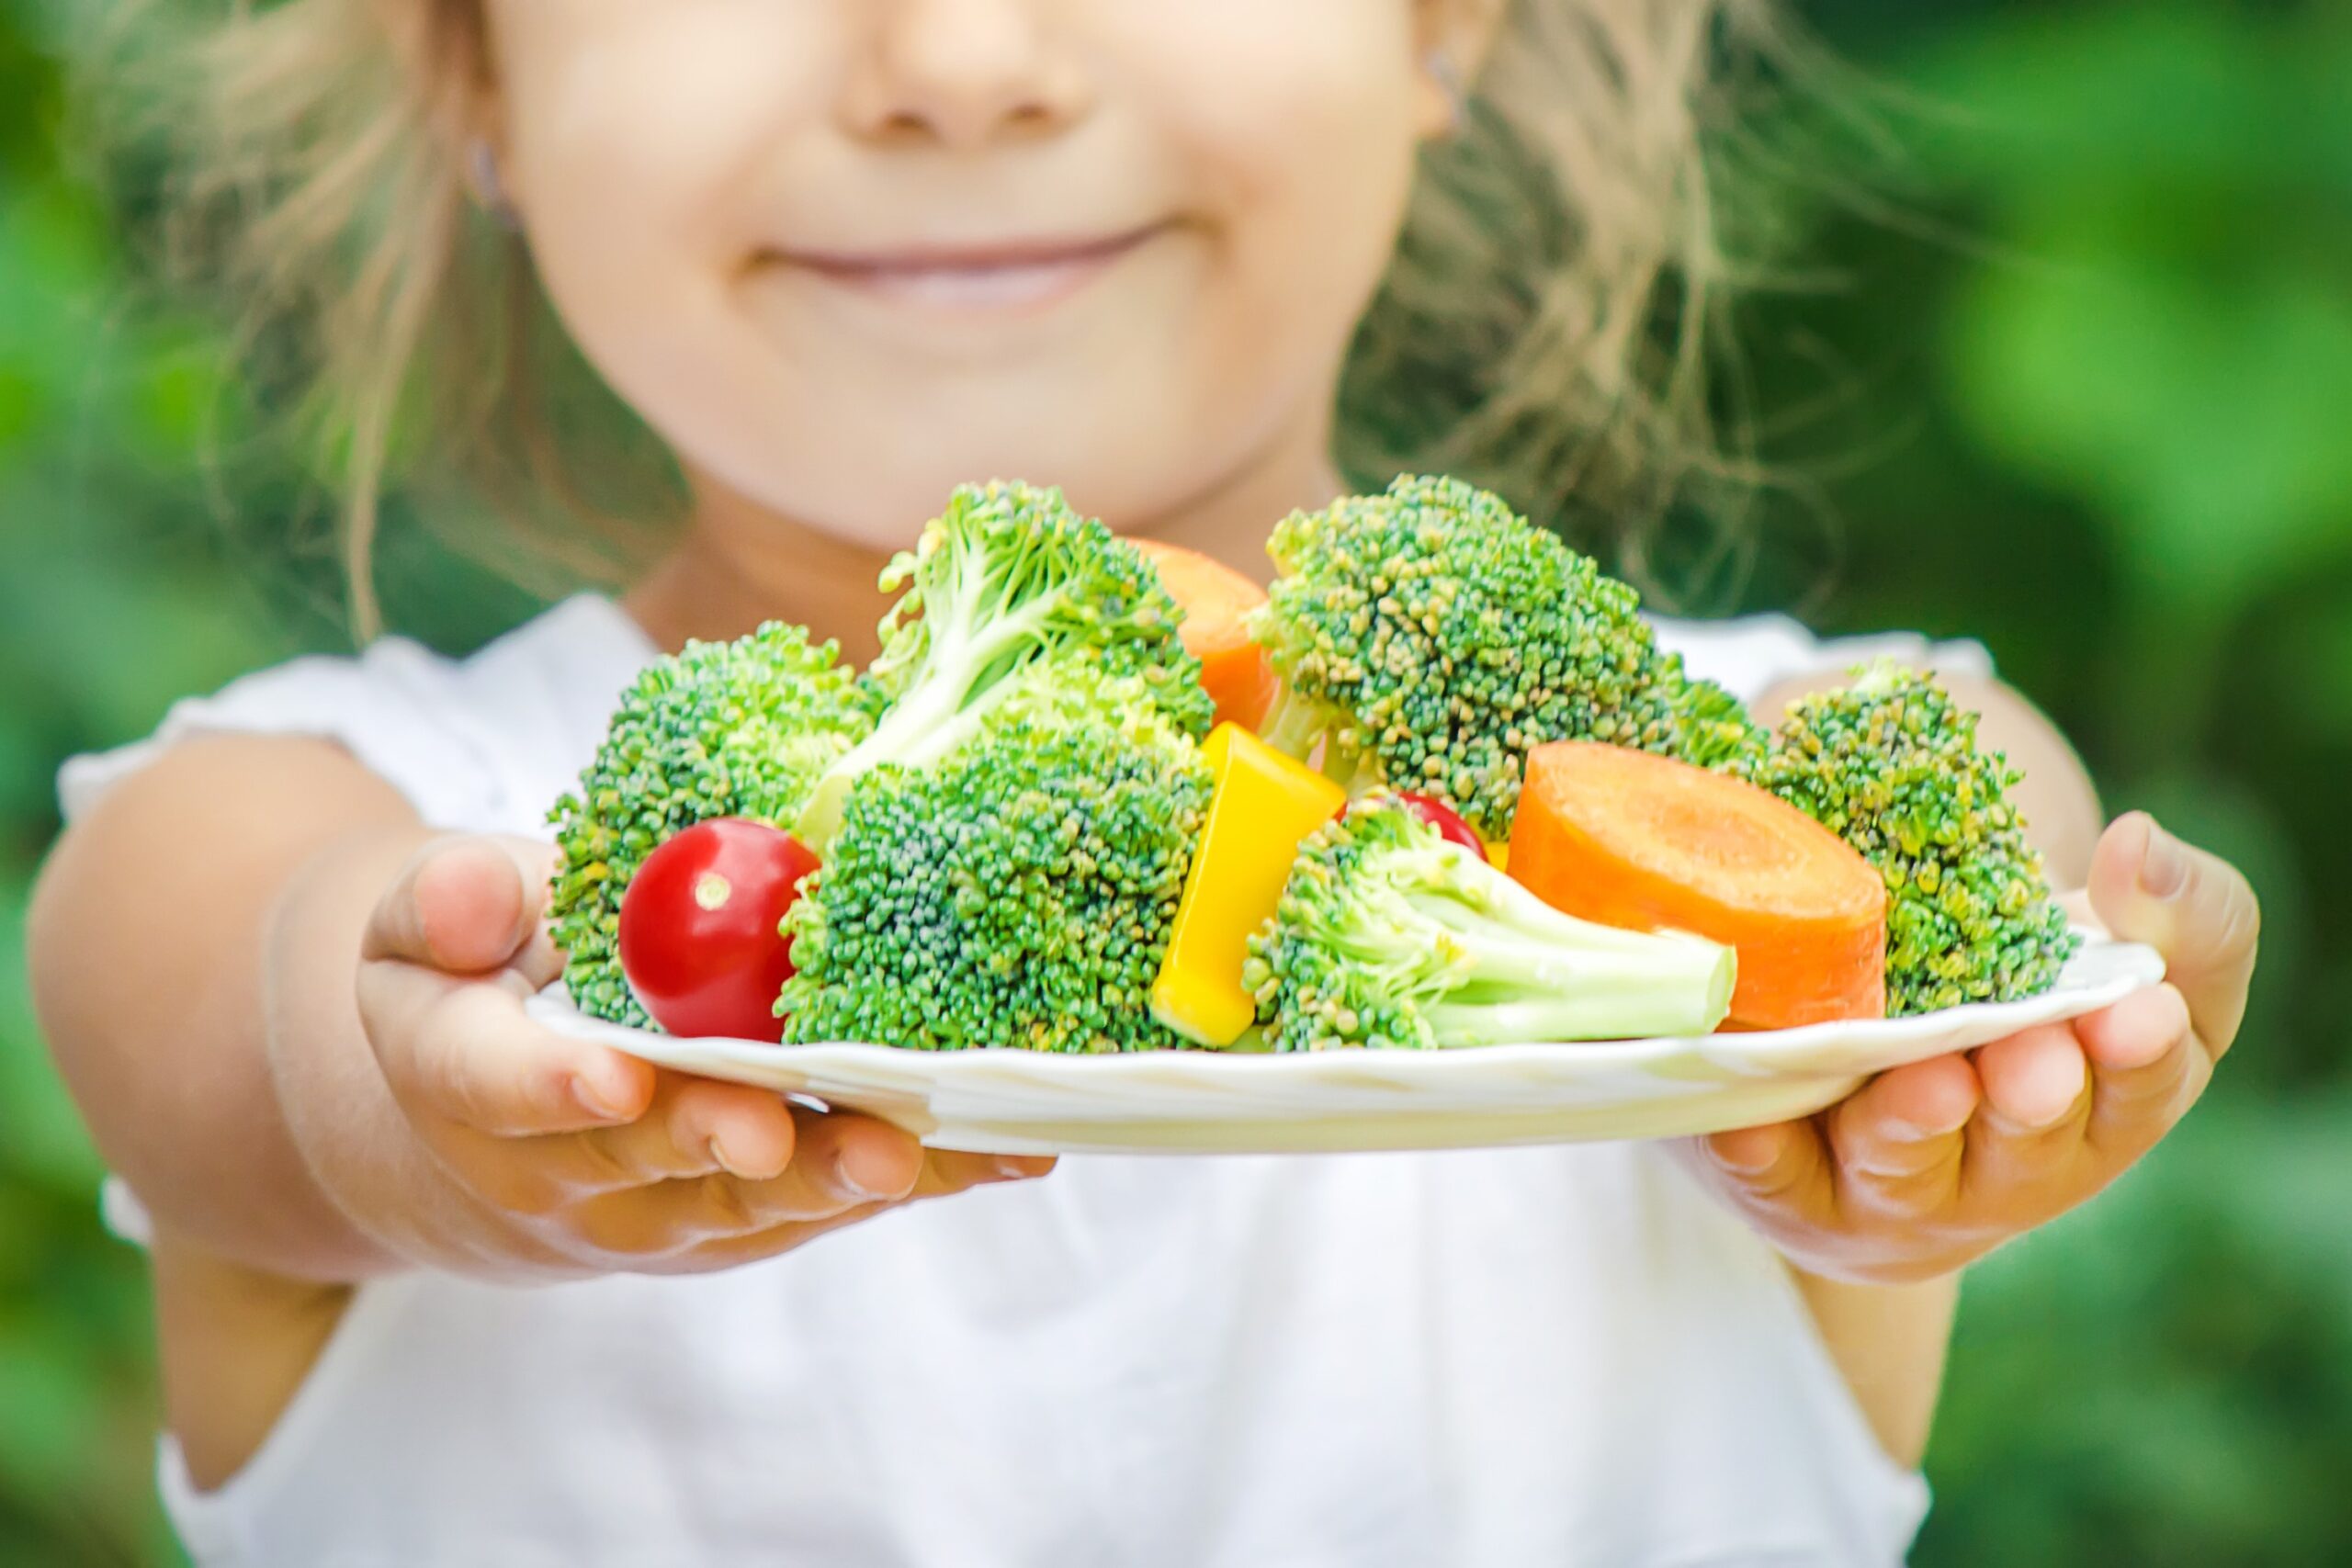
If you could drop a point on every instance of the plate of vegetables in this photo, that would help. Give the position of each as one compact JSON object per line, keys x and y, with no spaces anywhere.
{"x":1428,"y":846}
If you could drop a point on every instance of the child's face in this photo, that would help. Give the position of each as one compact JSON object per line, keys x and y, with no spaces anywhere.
{"x":846,"y":253}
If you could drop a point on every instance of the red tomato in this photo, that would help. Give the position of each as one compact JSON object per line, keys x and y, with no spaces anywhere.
{"x":699,"y":942}
{"x":1446,"y":820}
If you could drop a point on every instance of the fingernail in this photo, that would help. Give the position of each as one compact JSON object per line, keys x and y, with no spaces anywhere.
{"x":2165,"y":868}
{"x":1012,"y":1167}
{"x":725,"y":1162}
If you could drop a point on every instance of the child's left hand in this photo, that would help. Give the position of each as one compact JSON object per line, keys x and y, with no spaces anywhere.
{"x":1929,"y":1166}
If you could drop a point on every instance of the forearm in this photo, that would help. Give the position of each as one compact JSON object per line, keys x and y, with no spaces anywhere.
{"x":1889,"y":1341}
{"x":188,"y":925}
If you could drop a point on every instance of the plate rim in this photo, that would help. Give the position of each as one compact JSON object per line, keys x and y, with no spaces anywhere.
{"x":2136,"y":967}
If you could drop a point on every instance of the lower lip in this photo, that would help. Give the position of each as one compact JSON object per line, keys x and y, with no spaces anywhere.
{"x":1012,"y":287}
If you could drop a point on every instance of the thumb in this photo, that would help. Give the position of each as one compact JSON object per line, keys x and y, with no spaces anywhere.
{"x":468,"y":906}
{"x":2194,"y":907}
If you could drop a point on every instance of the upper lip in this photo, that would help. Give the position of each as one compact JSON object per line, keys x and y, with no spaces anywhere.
{"x":986,"y":256}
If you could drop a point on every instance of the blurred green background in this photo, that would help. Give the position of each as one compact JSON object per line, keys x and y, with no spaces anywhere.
{"x":2079,"y":383}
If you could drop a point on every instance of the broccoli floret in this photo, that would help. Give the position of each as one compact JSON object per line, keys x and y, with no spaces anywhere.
{"x":1008,"y":579}
{"x":741,"y":728}
{"x":1430,"y":636}
{"x":1019,"y":893}
{"x":1711,"y":728}
{"x":1388,"y":935}
{"x":1891,"y":765}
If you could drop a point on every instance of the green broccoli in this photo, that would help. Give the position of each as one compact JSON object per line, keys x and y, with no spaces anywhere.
{"x":742,"y":728}
{"x":1020,"y":892}
{"x":1006,"y":581}
{"x":1389,"y":935}
{"x":1428,"y":638}
{"x":1891,"y":765}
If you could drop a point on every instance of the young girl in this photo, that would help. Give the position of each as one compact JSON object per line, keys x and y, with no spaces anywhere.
{"x":436,"y":1287}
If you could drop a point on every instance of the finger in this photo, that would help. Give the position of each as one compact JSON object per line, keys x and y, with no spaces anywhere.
{"x":2147,"y":1069}
{"x":2193,"y":908}
{"x":1782,"y":1167}
{"x":2030,"y":1126}
{"x":948,"y":1171}
{"x":841,"y":1162}
{"x":464,"y":1052}
{"x":467,"y":906}
{"x":729,"y":1251}
{"x":695,"y":1127}
{"x":2034,"y":1079}
{"x":1898,"y":1141}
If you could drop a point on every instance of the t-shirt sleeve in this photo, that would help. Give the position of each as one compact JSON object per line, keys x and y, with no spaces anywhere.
{"x":1750,"y":655}
{"x":387,"y":707}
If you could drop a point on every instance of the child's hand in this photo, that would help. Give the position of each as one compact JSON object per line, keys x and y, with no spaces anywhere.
{"x":1931,"y":1166}
{"x":554,"y":1156}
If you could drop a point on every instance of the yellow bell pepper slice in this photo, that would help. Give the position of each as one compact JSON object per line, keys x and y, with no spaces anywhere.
{"x":1262,"y":805}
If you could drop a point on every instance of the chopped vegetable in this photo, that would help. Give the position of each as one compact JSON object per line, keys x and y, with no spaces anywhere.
{"x":1261,"y":804}
{"x":1218,"y":601}
{"x":1388,"y":935}
{"x":1650,"y":843}
{"x":699,"y":937}
{"x":1018,"y":892}
{"x":1891,"y":765}
{"x":1005,"y":584}
{"x":741,"y":728}
{"x":1427,"y":638}
{"x":1446,"y":820}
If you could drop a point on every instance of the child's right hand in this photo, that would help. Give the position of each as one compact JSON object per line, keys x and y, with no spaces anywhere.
{"x":558,"y":1156}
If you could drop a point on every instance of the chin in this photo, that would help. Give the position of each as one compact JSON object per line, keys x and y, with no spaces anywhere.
{"x":879,"y":482}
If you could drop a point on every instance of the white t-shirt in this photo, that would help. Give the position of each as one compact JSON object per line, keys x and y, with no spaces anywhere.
{"x":1564,"y":1356}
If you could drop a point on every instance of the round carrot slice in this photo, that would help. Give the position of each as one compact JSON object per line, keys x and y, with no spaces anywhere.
{"x":1649,"y":843}
{"x":1216,"y":601}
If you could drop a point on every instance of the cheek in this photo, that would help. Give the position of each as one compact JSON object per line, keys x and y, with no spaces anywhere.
{"x":1306,"y":146}
{"x":638,"y":137}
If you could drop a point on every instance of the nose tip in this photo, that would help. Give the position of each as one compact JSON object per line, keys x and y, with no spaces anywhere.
{"x":962,"y":73}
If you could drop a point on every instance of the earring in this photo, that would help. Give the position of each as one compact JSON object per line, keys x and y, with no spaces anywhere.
{"x":489,"y":190}
{"x":1448,"y":76}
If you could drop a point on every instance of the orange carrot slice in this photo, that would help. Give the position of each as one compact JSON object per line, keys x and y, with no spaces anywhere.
{"x":1626,"y":839}
{"x":1217,"y":600}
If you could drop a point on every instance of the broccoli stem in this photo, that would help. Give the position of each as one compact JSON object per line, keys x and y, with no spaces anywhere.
{"x":1293,"y":725}
{"x":935,"y":718}
{"x":1536,"y":973}
{"x":1677,"y":986}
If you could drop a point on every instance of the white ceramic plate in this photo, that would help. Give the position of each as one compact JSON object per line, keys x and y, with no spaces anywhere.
{"x":1211,"y":1102}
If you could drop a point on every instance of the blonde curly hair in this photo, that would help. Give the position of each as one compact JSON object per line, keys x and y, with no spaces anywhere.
{"x":1543,"y":329}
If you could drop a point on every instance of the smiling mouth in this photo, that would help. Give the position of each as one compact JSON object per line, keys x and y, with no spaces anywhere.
{"x":971,"y":277}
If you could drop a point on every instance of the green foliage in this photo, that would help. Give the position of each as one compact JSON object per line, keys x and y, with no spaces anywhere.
{"x":1019,"y":893}
{"x":1891,"y":765}
{"x":2086,"y":404}
{"x":1005,"y":587}
{"x":1387,"y":935}
{"x":1427,"y":637}
{"x":742,"y":728}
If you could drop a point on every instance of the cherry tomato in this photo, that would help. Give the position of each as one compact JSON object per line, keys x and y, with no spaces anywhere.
{"x":1447,"y":822}
{"x":698,"y":933}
